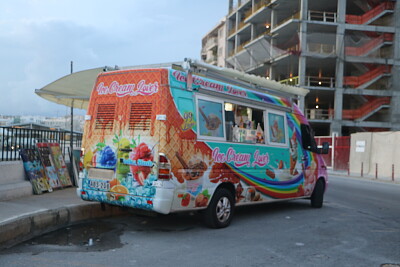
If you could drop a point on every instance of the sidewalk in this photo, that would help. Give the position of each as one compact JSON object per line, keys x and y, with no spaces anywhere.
{"x":26,"y":217}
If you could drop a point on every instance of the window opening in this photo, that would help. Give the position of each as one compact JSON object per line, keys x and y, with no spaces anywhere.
{"x":244,"y":124}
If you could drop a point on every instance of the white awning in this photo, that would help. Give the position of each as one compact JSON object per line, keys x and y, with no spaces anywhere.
{"x":75,"y":89}
{"x":71,"y":90}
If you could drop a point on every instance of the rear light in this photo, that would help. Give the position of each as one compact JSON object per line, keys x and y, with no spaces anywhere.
{"x":164,"y":168}
{"x":81,"y":160}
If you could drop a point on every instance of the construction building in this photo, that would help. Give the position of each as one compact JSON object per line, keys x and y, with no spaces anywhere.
{"x":346,"y":52}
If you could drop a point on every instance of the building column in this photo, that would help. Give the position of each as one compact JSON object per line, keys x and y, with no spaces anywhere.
{"x":302,"y":45}
{"x":272,"y":42}
{"x":395,"y":109}
{"x":336,"y":126}
{"x":237,"y":40}
{"x":230,"y":6}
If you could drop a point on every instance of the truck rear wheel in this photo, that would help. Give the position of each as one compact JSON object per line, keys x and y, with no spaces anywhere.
{"x":219,"y":212}
{"x":317,"y":197}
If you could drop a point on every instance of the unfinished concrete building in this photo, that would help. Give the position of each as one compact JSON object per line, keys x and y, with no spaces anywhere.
{"x":345,"y":51}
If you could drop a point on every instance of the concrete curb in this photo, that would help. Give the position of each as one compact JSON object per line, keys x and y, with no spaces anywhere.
{"x":25,"y":227}
{"x":366,"y":177}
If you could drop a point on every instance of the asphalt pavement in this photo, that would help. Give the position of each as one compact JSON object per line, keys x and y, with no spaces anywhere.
{"x":24,"y":218}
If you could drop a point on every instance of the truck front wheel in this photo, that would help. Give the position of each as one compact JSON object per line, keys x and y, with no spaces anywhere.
{"x":219,"y":212}
{"x":317,"y":197}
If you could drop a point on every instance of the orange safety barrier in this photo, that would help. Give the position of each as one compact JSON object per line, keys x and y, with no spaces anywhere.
{"x":362,"y":50}
{"x":356,"y":81}
{"x":355,"y":19}
{"x":365,"y":109}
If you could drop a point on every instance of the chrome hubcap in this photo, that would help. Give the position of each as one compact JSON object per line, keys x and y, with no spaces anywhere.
{"x":223,"y":209}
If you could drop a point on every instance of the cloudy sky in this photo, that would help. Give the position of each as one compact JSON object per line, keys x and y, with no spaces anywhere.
{"x":39,"y":39}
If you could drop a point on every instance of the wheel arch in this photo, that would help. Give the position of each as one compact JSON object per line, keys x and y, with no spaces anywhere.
{"x":229,"y":186}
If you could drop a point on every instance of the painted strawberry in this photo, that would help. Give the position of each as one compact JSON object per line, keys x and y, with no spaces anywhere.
{"x":141,"y":152}
{"x":185,"y":200}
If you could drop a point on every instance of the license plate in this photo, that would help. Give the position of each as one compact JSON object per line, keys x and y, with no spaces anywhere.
{"x":101,"y":185}
{"x":157,"y":183}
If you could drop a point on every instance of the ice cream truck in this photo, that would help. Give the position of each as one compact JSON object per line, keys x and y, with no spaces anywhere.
{"x":192,"y":136}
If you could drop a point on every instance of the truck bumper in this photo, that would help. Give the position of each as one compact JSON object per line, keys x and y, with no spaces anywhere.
{"x":161,"y":202}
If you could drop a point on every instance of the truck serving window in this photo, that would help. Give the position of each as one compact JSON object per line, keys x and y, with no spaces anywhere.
{"x":244,"y":124}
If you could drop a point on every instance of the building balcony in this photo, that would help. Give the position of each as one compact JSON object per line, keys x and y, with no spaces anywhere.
{"x":238,"y":6}
{"x":211,"y":43}
{"x":258,"y":6}
{"x":292,"y":17}
{"x":232,"y":30}
{"x":211,"y":59}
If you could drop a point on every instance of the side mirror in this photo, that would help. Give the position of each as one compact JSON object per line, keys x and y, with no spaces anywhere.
{"x":325,"y":148}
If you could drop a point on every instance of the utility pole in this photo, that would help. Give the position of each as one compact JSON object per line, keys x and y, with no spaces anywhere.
{"x":71,"y":138}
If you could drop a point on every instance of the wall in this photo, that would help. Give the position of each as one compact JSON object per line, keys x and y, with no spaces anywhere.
{"x":13,"y":183}
{"x":371,"y":152}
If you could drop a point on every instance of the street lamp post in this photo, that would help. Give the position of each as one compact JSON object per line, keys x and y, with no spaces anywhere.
{"x":71,"y":138}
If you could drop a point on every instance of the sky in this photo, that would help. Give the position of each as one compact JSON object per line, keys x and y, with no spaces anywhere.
{"x":40,"y":38}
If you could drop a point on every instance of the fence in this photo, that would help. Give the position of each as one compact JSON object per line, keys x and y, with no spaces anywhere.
{"x":339,"y":151}
{"x":13,"y":139}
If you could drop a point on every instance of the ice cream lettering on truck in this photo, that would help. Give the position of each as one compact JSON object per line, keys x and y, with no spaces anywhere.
{"x":168,"y":140}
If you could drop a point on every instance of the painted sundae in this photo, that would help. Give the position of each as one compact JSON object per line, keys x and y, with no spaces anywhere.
{"x":192,"y":172}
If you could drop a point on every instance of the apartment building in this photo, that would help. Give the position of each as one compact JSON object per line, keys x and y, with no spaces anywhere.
{"x":213,"y":45}
{"x":346,"y":52}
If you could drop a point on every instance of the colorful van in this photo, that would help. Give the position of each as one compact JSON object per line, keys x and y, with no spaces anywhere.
{"x":173,"y":139}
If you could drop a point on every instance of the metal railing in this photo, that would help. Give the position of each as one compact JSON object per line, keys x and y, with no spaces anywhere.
{"x":314,"y":81}
{"x":14,"y":139}
{"x":321,"y":48}
{"x":319,"y":114}
{"x":371,"y":14}
{"x":291,"y":81}
{"x":322,"y":16}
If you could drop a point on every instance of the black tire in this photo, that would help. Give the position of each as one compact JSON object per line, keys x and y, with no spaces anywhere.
{"x":219,"y":212}
{"x":317,"y":196}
